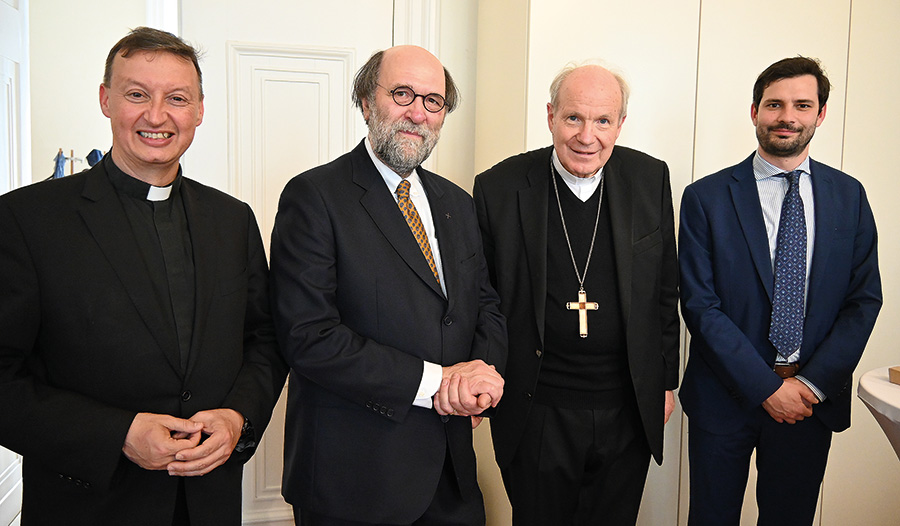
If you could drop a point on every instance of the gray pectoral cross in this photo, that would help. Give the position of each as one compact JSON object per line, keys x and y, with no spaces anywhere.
{"x":582,"y":306}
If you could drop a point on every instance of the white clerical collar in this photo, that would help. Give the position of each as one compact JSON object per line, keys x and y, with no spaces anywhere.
{"x":392,"y":178}
{"x":159,"y":193}
{"x":582,"y":187}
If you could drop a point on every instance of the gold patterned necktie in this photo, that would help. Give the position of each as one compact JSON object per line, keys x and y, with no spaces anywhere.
{"x":415,"y":224}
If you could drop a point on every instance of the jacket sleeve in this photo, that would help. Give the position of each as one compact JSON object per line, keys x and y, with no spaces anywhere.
{"x":668,"y":294}
{"x":831,"y":364}
{"x":716,"y":338}
{"x":314,"y":339}
{"x":77,"y":435}
{"x":262,"y":375}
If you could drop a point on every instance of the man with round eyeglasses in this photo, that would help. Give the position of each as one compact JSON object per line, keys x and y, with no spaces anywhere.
{"x":385,"y":313}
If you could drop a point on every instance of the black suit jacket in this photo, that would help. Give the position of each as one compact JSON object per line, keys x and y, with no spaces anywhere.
{"x":512,"y":199}
{"x":82,"y":349}
{"x":357,"y":311}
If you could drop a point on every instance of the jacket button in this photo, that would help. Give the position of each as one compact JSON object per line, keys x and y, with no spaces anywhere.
{"x":448,"y":321}
{"x":185,"y":396}
{"x":369,"y":404}
{"x":538,"y":353}
{"x":390,"y":412}
{"x":528,"y":396}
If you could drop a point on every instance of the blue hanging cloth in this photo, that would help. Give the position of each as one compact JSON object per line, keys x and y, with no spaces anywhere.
{"x":94,"y":157}
{"x":59,"y":170}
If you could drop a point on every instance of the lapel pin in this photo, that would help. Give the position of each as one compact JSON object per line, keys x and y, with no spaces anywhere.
{"x":448,"y":215}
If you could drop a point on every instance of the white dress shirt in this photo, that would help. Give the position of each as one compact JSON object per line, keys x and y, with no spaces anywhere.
{"x":432,"y":373}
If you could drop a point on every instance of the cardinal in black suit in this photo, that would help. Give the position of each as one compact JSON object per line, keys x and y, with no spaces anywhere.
{"x":137,"y":351}
{"x":580,"y":244}
{"x":385,"y":313}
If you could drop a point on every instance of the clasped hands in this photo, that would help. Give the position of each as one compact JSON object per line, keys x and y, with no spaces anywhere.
{"x":791,"y":403}
{"x":157,"y":442}
{"x":467,"y":389}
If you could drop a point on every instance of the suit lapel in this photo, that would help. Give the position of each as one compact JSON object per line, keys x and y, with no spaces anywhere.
{"x":442,"y":215}
{"x":383,"y":210}
{"x":620,"y":201}
{"x":105,"y":218}
{"x":204,"y":244}
{"x":823,"y":195}
{"x":533,"y":202}
{"x":745,"y":196}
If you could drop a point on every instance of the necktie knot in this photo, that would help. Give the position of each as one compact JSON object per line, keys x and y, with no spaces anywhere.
{"x":793,"y":178}
{"x":403,"y":189}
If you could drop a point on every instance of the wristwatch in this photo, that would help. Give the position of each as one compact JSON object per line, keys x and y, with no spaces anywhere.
{"x":248,"y":437}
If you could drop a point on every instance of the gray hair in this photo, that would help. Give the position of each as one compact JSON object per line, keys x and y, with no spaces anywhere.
{"x":571,"y":66}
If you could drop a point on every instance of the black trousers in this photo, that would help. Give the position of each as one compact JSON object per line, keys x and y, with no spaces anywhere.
{"x":181,"y":517}
{"x":579,"y":467}
{"x":447,"y":508}
{"x":790,"y":460}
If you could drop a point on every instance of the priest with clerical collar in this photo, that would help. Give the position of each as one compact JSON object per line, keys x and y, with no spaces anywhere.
{"x":138,"y":362}
{"x":580,"y":243}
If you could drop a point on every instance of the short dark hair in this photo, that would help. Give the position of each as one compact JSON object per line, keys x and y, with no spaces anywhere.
{"x":366,"y":82}
{"x":154,"y":40}
{"x":789,"y":68}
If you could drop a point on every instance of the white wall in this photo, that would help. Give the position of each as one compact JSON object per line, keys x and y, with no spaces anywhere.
{"x":69,"y":43}
{"x":863,"y":475}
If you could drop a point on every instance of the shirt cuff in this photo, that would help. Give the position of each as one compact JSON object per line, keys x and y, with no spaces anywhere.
{"x":819,"y":394}
{"x":432,"y":374}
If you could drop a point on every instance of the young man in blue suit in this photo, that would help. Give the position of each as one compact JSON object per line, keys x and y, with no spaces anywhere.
{"x":382,"y":302}
{"x":780,"y":290}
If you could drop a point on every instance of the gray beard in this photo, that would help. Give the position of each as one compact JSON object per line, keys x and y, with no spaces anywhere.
{"x":400,"y":154}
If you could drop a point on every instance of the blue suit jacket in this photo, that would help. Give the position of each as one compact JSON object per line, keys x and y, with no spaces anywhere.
{"x":726,"y":295}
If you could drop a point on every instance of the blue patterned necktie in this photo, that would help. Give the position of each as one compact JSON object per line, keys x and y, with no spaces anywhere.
{"x":786,"y":328}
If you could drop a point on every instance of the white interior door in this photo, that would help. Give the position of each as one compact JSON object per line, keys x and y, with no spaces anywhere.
{"x":277,"y":80}
{"x":15,"y":162}
{"x":15,"y":142}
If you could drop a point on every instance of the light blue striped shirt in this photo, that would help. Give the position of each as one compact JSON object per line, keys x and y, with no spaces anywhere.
{"x":772,"y":190}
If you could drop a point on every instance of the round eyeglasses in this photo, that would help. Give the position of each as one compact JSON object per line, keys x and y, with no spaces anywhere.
{"x":404,"y":96}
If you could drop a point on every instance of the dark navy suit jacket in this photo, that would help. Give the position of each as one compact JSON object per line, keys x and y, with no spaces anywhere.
{"x":726,"y":296}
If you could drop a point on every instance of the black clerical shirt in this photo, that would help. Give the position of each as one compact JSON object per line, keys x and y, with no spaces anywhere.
{"x":161,"y":231}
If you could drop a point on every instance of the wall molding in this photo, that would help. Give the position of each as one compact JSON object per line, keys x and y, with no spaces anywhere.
{"x":250,"y":68}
